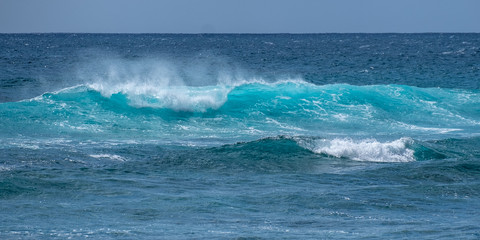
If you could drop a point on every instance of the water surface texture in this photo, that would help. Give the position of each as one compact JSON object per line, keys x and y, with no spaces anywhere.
{"x":344,"y":136}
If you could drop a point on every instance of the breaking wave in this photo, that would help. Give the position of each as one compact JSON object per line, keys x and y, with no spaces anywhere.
{"x":253,"y":109}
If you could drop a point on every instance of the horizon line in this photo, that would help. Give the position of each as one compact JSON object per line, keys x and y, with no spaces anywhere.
{"x":238,"y":33}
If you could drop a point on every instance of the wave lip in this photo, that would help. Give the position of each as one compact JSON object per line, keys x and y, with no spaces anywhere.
{"x":369,"y":150}
{"x":178,"y":98}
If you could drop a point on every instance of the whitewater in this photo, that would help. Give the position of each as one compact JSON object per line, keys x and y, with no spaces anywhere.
{"x":239,"y":136}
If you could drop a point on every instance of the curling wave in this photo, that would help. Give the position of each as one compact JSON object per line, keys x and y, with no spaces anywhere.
{"x":249,"y":110}
{"x":369,"y":150}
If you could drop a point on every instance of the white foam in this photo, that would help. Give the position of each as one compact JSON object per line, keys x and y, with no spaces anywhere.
{"x":109,"y":156}
{"x":363,"y":150}
{"x":282,"y":125}
{"x":178,"y":98}
{"x":27,"y":146}
{"x":5,"y":168}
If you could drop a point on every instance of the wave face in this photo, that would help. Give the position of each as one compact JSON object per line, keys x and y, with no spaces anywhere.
{"x":247,"y":111}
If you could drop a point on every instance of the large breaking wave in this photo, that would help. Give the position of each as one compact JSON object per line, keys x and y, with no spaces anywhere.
{"x":364,"y":123}
{"x":257,"y":108}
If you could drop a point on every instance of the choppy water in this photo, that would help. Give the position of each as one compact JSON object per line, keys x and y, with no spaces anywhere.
{"x":240,"y":136}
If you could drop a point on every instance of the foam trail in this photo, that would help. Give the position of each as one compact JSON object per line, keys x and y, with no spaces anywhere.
{"x":369,"y":150}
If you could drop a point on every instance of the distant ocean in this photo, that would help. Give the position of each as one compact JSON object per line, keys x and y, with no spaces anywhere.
{"x":158,"y":136}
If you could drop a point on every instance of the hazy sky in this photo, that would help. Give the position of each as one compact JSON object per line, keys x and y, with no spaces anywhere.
{"x":239,"y":16}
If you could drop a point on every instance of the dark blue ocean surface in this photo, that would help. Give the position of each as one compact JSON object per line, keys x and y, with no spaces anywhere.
{"x":343,"y":136}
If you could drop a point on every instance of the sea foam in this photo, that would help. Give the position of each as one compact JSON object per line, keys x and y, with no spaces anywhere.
{"x":178,"y":98}
{"x":369,"y":150}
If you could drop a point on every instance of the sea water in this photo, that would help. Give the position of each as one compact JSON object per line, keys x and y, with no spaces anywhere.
{"x":151,"y":136}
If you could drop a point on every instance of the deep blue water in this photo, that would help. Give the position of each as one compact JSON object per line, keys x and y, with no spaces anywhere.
{"x":343,"y":136}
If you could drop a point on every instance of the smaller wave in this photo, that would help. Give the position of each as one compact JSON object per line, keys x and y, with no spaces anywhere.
{"x":369,"y":150}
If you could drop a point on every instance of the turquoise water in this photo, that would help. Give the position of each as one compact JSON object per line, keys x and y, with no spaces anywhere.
{"x":323,"y":136}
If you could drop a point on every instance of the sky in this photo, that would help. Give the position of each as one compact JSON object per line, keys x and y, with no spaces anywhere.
{"x":239,"y":16}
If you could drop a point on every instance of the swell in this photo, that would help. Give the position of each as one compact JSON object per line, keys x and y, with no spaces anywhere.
{"x":361,"y":150}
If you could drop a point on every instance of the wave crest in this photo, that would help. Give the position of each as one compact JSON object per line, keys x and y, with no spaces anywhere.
{"x":178,"y":98}
{"x":363,"y":150}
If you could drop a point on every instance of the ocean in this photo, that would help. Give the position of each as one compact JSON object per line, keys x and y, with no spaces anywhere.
{"x":240,"y":136}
